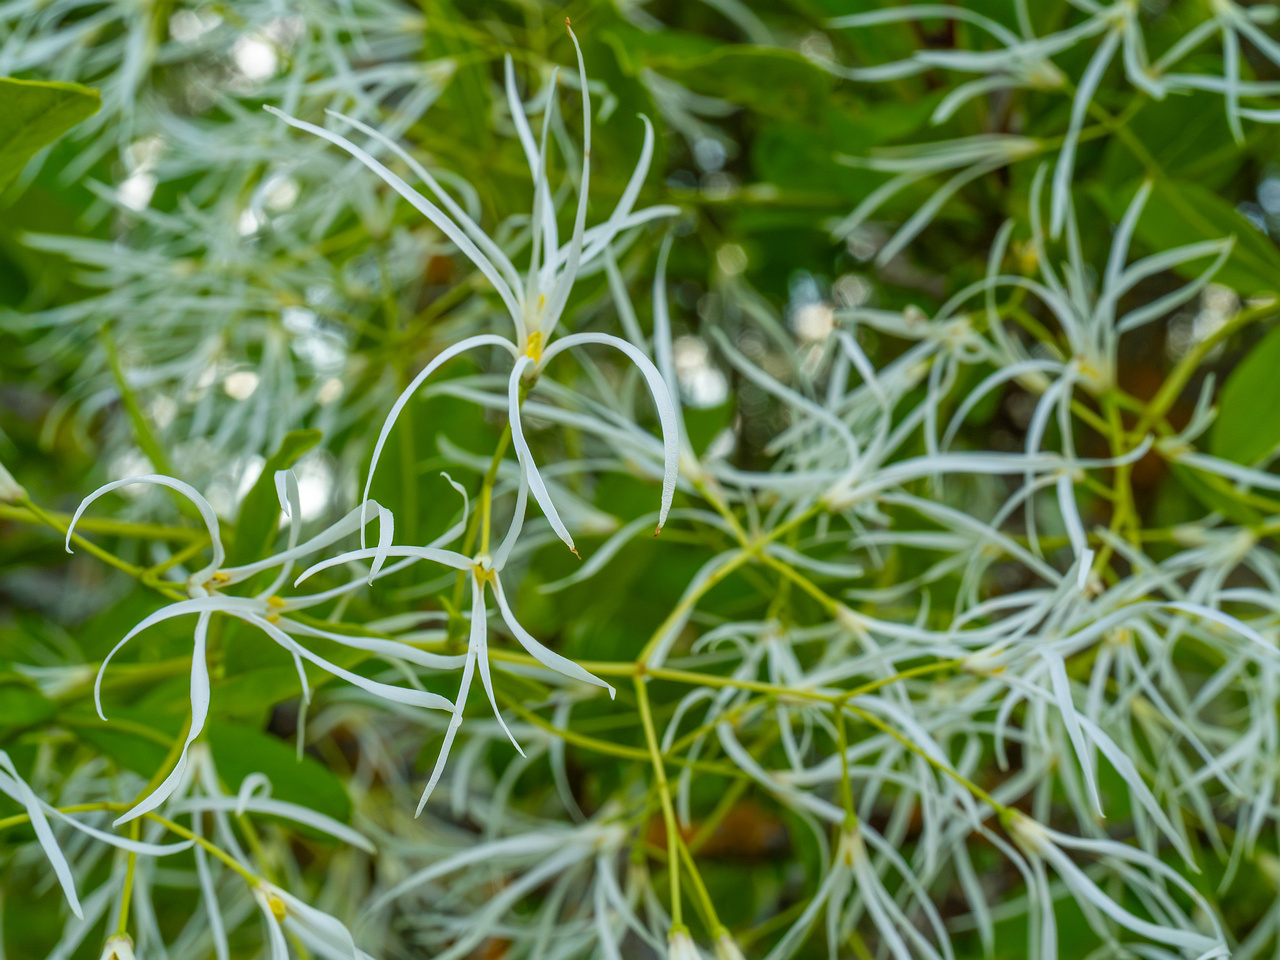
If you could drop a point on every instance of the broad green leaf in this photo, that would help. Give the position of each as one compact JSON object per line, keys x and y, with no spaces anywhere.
{"x":21,"y":706}
{"x":240,"y":750}
{"x":1248,"y":424}
{"x":1181,"y":212}
{"x":636,"y":49}
{"x":137,"y":740}
{"x":767,"y":81}
{"x":260,"y":513}
{"x":35,"y":114}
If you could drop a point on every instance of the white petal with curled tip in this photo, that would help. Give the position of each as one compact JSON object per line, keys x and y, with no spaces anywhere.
{"x":291,"y":506}
{"x":191,"y":493}
{"x":251,"y":786}
{"x":351,"y":523}
{"x":199,"y":712}
{"x":18,"y":790}
{"x":525,"y":457}
{"x":548,"y":658}
{"x":386,"y":533}
{"x":178,"y":609}
{"x":413,"y":698}
{"x":459,"y":528}
{"x":661,"y":399}
{"x":440,"y":359}
{"x":424,"y":206}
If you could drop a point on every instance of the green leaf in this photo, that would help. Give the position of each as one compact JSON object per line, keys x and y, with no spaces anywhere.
{"x":135,"y":739}
{"x":240,"y":750}
{"x":260,"y":512}
{"x":20,"y":706}
{"x":1248,"y":424}
{"x":35,"y":114}
{"x":1181,"y":212}
{"x":768,"y":81}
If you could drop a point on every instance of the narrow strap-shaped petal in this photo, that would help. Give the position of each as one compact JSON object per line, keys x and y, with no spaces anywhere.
{"x":413,"y":698}
{"x":115,"y":840}
{"x":191,"y":493}
{"x":277,"y":808}
{"x":517,"y":524}
{"x":1061,"y":686}
{"x":548,"y":658}
{"x":291,"y":506}
{"x":550,"y":241}
{"x":525,"y":456}
{"x":199,"y":713}
{"x":1062,"y":173}
{"x":385,"y":648}
{"x":330,"y":931}
{"x":386,"y":532}
{"x":486,"y":678}
{"x":478,"y":627}
{"x":923,"y":11}
{"x":424,"y":206}
{"x":560,"y":295}
{"x":482,"y":239}
{"x":23,"y":794}
{"x":209,"y":894}
{"x":449,"y":558}
{"x":663,"y":342}
{"x":661,"y":399}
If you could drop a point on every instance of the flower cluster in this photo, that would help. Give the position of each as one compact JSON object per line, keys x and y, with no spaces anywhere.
{"x":929,"y":687}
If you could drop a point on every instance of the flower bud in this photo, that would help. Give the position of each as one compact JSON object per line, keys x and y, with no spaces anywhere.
{"x":727,"y":948}
{"x":10,"y":490}
{"x":119,"y":946}
{"x":680,"y":946}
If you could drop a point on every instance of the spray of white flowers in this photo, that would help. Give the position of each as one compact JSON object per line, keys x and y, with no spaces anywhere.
{"x":988,"y":715}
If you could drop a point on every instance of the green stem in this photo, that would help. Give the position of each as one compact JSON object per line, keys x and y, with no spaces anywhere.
{"x":664,"y":795}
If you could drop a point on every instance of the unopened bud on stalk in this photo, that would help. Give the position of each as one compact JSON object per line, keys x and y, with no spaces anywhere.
{"x":119,"y":946}
{"x":680,"y":946}
{"x":10,"y":489}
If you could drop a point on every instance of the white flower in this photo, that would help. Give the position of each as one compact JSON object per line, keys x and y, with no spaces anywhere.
{"x":481,"y":570}
{"x":267,"y":611}
{"x":536,"y":301}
